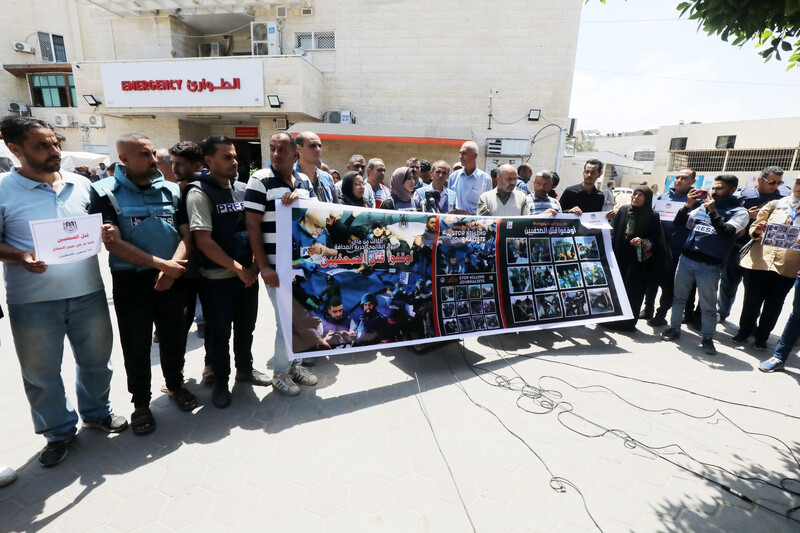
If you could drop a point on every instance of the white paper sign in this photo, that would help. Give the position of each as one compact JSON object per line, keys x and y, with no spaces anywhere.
{"x":67,"y":240}
{"x":228,"y":82}
{"x":595,"y":219}
{"x":666,"y":209}
{"x":781,"y":236}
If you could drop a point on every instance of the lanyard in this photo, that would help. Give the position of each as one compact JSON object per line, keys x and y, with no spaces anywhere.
{"x":792,"y":214}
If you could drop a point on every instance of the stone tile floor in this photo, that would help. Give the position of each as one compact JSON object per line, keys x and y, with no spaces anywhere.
{"x":472,"y":435}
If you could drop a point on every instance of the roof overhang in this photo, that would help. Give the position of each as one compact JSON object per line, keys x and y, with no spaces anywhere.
{"x":21,"y":69}
{"x":439,"y":135}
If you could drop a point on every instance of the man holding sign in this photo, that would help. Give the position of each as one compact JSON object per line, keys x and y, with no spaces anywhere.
{"x":48,"y":301}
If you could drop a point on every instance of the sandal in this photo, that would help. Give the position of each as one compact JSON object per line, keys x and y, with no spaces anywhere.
{"x":185,"y":400}
{"x":142,"y":421}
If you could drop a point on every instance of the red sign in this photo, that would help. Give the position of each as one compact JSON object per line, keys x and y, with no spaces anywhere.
{"x":246,"y":132}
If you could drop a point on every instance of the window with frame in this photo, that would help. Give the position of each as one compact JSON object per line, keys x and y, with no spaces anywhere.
{"x":726,"y":142}
{"x":52,"y":48}
{"x":678,"y":143}
{"x":315,"y":40}
{"x":53,"y":90}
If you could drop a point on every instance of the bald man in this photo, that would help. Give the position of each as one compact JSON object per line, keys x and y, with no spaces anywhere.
{"x":505,"y":200}
{"x":147,"y":252}
{"x":469,"y":182}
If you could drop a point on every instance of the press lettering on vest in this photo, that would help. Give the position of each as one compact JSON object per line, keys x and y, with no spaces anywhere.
{"x":230,"y":208}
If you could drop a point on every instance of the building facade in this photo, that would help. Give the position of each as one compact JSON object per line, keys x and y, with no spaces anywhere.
{"x":389,"y":79}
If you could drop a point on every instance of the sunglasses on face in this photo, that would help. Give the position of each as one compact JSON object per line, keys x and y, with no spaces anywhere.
{"x":774,"y":182}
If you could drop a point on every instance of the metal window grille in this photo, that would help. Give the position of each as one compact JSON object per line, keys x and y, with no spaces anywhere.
{"x":46,"y":46}
{"x":304,"y":40}
{"x":315,"y":40}
{"x":743,"y":160}
{"x":324,"y":40}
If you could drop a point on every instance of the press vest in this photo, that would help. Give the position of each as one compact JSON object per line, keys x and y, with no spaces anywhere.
{"x":703,"y":237}
{"x":229,"y":228}
{"x":146,"y":218}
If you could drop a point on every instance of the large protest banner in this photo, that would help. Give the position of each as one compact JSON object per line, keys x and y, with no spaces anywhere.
{"x":354,"y":278}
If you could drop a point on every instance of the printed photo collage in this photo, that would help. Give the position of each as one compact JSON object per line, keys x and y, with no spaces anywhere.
{"x":469,"y":307}
{"x":555,"y":278}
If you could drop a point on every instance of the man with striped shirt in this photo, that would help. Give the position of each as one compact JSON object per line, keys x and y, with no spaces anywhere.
{"x":281,"y":182}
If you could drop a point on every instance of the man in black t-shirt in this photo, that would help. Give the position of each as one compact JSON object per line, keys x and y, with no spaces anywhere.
{"x":584,"y":197}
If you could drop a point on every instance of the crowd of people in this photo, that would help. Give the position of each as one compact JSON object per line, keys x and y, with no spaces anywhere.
{"x":198,"y":233}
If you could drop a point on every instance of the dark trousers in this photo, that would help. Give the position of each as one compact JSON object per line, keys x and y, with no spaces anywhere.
{"x":229,"y":302}
{"x":138,"y":306}
{"x":729,"y":282}
{"x":666,"y":281}
{"x":767,"y":290}
{"x":193,"y":292}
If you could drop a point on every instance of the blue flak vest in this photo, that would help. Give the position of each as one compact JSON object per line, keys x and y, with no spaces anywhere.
{"x":146,"y":218}
{"x":229,"y":228}
{"x":703,"y":237}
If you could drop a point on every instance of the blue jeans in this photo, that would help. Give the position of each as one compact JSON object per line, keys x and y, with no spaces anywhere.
{"x":39,"y":329}
{"x":706,"y":276}
{"x":792,"y":329}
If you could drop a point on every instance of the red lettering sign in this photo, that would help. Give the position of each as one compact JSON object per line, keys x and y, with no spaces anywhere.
{"x":173,"y":85}
{"x":246,"y":132}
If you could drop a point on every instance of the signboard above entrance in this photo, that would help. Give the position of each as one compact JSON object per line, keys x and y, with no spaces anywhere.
{"x":199,"y":83}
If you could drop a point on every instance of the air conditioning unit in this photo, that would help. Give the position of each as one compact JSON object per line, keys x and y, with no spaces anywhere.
{"x":307,"y":11}
{"x":208,"y":50}
{"x":515,"y":147}
{"x":265,"y":39}
{"x":19,"y":46}
{"x":280,"y":12}
{"x":62,"y":121}
{"x":17,"y":107}
{"x":338,"y":117}
{"x":96,"y":121}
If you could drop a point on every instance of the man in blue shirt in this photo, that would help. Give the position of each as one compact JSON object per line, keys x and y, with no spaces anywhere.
{"x":447,"y":196}
{"x":47,"y":302}
{"x":469,"y":182}
{"x":539,"y":201}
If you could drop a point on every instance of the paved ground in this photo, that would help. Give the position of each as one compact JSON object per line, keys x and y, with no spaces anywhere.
{"x":499,"y":423}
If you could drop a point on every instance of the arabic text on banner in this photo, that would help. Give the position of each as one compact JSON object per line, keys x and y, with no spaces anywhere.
{"x":356,"y":278}
{"x":67,"y":240}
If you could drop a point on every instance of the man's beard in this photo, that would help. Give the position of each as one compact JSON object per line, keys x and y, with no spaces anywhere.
{"x":49,"y":165}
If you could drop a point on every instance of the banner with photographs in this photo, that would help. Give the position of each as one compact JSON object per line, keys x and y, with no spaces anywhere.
{"x":781,"y":236}
{"x":354,"y":278}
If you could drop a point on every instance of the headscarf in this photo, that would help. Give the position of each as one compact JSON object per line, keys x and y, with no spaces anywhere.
{"x":399,"y":193}
{"x":347,"y":190}
{"x":639,"y":217}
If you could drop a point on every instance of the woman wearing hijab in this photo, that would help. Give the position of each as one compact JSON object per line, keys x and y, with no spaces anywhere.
{"x":640,"y":247}
{"x":402,"y":187}
{"x":353,"y":189}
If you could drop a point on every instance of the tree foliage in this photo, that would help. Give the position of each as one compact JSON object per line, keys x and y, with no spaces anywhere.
{"x":774,"y":25}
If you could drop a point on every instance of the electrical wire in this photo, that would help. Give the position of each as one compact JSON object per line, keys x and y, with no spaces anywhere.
{"x":551,"y":401}
{"x":696,"y":80}
{"x":441,"y":452}
{"x":557,"y":483}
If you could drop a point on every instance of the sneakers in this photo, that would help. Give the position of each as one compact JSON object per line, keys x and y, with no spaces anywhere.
{"x":708,"y":346}
{"x":110,"y":424}
{"x":221,"y":397}
{"x":645,"y":315}
{"x":671,"y":334}
{"x":657,"y":321}
{"x":255,"y":377}
{"x":302,"y":375}
{"x":53,"y":453}
{"x":771,"y":365}
{"x":722,"y":318}
{"x":283,"y":383}
{"x":760,"y":345}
